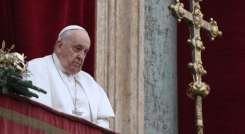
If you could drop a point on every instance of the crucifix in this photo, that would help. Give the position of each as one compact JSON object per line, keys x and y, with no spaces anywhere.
{"x":197,"y":89}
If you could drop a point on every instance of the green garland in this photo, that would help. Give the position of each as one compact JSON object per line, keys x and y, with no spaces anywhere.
{"x":12,"y":83}
{"x":12,"y":69}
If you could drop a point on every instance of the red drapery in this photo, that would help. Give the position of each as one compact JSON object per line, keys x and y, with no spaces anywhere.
{"x":19,"y":115}
{"x":224,"y":60}
{"x":33,"y":25}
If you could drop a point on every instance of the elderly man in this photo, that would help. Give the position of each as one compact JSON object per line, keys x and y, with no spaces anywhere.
{"x":69,"y":89}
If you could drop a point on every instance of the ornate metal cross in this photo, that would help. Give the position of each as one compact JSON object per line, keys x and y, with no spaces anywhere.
{"x":197,"y":88}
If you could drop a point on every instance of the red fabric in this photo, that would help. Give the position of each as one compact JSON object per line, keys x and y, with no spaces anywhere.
{"x":224,"y":61}
{"x":42,"y":113}
{"x":34,"y":25}
{"x":11,"y":127}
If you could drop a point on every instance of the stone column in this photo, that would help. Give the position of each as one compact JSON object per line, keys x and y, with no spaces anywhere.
{"x":160,"y":75}
{"x":120,"y":62}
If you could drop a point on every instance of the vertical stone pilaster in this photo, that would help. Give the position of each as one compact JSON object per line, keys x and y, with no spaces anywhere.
{"x":136,"y":63}
{"x":120,"y":61}
{"x":160,"y":74}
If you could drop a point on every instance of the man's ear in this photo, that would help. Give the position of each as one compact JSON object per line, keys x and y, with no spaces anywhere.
{"x":57,"y":46}
{"x":58,"y":43}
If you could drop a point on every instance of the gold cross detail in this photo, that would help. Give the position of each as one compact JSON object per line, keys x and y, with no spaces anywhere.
{"x":195,"y":17}
{"x":197,"y":89}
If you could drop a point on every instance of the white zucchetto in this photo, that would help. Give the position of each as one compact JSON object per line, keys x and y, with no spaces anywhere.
{"x":70,"y":27}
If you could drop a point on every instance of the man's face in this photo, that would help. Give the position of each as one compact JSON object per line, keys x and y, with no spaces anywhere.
{"x":72,"y":51}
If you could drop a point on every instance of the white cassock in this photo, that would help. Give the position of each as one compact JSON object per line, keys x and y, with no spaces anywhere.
{"x":77,"y":95}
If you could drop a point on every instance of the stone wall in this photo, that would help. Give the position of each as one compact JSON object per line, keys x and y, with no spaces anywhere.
{"x":120,"y":61}
{"x":160,"y":74}
{"x":136,"y":64}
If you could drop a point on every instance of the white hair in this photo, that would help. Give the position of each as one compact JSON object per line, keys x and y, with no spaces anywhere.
{"x":69,"y":28}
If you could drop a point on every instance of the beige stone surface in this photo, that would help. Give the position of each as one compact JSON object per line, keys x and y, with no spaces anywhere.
{"x":120,"y":61}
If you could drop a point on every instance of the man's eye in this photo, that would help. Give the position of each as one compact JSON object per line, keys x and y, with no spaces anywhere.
{"x":77,"y":49}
